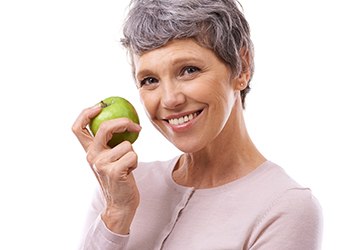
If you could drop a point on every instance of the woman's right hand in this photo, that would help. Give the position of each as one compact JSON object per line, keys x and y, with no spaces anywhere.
{"x":112,"y":167}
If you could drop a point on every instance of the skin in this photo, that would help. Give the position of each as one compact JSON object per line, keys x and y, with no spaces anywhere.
{"x":181,"y":78}
{"x":178,"y":79}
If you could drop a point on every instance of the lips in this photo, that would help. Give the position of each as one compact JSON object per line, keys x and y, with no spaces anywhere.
{"x":180,"y":120}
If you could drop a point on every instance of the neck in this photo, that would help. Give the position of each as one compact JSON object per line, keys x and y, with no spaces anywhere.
{"x":230,"y":156}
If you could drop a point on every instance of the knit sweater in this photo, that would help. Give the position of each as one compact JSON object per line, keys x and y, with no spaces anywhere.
{"x":264,"y":210}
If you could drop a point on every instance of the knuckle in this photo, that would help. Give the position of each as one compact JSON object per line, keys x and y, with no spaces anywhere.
{"x":75,"y":128}
{"x":133,"y":156}
{"x":99,"y":168}
{"x":126,"y":145}
{"x":90,"y":158}
{"x":77,"y":125}
{"x":104,"y":127}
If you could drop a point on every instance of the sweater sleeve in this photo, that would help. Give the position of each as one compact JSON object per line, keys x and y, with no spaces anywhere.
{"x":96,"y":236}
{"x":293,"y":221}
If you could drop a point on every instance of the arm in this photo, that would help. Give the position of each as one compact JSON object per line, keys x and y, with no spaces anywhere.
{"x":113,"y":169}
{"x":294,"y":221}
{"x":96,"y":235}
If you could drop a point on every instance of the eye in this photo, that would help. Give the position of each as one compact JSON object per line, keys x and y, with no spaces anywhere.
{"x":148,"y":81}
{"x":188,"y":70}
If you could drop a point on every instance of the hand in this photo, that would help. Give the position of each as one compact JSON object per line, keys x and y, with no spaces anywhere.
{"x":112,"y":167}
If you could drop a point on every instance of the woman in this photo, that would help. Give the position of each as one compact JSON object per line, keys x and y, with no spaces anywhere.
{"x":192,"y":61}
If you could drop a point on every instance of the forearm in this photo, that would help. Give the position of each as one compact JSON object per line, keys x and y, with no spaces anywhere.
{"x":99,"y":237}
{"x":96,"y":234}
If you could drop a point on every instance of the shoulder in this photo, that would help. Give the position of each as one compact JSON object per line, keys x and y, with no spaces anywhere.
{"x":292,"y":221}
{"x":274,"y":176}
{"x":298,"y":204}
{"x":288,"y":196}
{"x":292,"y":214}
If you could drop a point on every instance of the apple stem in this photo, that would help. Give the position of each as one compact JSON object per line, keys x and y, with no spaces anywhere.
{"x":103,"y":104}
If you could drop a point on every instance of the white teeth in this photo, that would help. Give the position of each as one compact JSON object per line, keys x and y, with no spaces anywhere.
{"x":182,"y":120}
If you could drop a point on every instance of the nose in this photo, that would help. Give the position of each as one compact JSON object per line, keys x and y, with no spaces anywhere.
{"x":172,"y":94}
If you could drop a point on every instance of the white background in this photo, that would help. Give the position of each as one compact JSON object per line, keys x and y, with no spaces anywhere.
{"x":58,"y":57}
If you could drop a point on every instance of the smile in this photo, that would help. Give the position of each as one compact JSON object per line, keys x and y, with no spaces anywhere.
{"x":184,"y":119}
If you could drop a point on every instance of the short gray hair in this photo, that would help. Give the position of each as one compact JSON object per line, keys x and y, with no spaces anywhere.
{"x":216,"y":24}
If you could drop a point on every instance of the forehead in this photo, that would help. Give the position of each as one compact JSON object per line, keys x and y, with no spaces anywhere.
{"x":172,"y":53}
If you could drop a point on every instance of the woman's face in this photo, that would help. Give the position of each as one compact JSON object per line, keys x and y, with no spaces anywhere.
{"x":187,"y":91}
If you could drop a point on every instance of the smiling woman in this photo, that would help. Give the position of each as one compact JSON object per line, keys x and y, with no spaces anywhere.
{"x":190,"y":82}
{"x":193,"y":67}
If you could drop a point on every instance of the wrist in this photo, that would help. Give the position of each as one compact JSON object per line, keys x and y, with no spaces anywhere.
{"x":118,"y":220}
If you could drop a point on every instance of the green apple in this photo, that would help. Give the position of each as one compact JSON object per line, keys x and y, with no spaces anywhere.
{"x":116,"y":107}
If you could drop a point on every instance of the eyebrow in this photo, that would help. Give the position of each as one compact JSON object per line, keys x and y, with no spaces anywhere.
{"x":176,"y":61}
{"x":142,"y":73}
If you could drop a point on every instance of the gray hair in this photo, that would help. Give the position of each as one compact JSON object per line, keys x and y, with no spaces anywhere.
{"x":215,"y":24}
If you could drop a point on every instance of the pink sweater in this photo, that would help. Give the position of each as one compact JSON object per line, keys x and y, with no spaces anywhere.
{"x":265,"y":210}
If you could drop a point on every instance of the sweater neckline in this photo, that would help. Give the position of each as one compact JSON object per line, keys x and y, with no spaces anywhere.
{"x":265,"y":166}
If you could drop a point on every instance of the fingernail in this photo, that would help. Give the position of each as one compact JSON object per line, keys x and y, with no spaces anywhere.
{"x":97,"y":106}
{"x":138,"y":126}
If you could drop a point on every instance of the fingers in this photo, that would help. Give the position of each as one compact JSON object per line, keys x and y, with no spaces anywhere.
{"x":112,"y":167}
{"x":120,"y":170}
{"x":79,"y":127}
{"x":105,"y":161}
{"x":109,"y":155}
{"x":108,"y":128}
{"x":115,"y":164}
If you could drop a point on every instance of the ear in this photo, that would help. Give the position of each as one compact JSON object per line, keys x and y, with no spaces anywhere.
{"x":242,"y":80}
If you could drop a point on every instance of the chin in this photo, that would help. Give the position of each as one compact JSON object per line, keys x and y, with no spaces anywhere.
{"x":187,"y":146}
{"x":185,"y":142}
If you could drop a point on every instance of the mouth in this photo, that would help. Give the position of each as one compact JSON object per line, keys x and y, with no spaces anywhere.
{"x":180,"y":120}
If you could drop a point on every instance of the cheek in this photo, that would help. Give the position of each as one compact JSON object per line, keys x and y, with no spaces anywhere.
{"x":148,"y":102}
{"x":223,"y":98}
{"x":218,"y":91}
